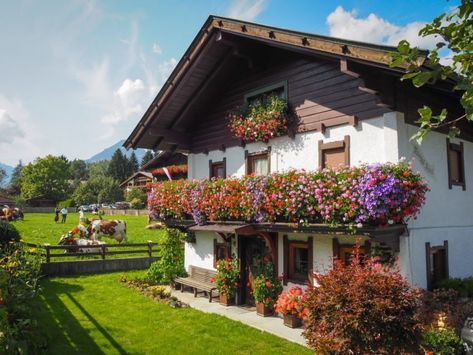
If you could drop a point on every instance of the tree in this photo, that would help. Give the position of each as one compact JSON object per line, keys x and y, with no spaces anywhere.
{"x":133,"y":164}
{"x":456,"y":33}
{"x":99,"y":168}
{"x":47,"y":177}
{"x":3,"y":175}
{"x":146,"y":158}
{"x":118,"y":167}
{"x":136,"y":197}
{"x":14,"y":188}
{"x":78,"y":170}
{"x":98,"y":189}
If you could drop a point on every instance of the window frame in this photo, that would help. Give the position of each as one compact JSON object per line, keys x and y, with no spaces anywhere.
{"x":429,"y":251}
{"x":223,"y":245}
{"x":289,"y":260}
{"x":325,"y":147}
{"x":340,"y":250}
{"x":214,"y":165}
{"x":266,"y":89}
{"x":458,"y":148}
{"x":250,"y":157}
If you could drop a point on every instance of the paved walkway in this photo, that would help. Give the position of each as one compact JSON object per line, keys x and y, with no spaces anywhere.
{"x":273,"y":325}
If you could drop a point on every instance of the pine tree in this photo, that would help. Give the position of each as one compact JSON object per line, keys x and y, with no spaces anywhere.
{"x":146,"y":158}
{"x":118,"y":167}
{"x":14,"y":187}
{"x":133,"y":162}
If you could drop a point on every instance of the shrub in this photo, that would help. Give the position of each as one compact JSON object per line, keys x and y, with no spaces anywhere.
{"x":463,"y":286}
{"x":8,"y":233}
{"x":19,"y":275}
{"x":266,"y":287}
{"x":228,"y":276}
{"x":171,"y":258}
{"x":443,"y":341}
{"x":362,"y":308}
{"x":66,"y":203}
{"x":136,"y":197}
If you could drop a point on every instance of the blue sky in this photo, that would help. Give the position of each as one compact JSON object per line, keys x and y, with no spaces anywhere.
{"x":76,"y":76}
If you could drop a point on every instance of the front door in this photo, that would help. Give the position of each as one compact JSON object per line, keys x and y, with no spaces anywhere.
{"x":252,"y":251}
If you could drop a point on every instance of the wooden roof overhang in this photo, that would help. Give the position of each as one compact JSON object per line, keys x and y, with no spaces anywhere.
{"x":388,"y":234}
{"x":214,"y":48}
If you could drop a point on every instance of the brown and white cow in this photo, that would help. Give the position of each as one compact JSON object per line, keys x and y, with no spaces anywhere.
{"x":82,"y":245}
{"x":115,"y":229}
{"x":11,"y":214}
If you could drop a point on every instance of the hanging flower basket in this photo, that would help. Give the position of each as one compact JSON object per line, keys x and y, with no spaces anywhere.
{"x":261,"y":120}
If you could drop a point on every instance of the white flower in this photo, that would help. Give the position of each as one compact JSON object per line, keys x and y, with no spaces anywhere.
{"x":359,"y":225}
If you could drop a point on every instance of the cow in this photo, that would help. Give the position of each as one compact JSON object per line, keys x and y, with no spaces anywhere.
{"x":68,"y":239}
{"x":11,"y":214}
{"x":115,"y":229}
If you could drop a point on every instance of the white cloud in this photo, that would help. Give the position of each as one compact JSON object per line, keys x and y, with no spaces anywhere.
{"x":246,"y":9}
{"x":374,"y":29}
{"x":157,"y":49}
{"x":9,"y":128}
{"x":165,"y":68}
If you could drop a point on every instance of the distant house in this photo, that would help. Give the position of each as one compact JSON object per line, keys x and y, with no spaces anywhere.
{"x":4,"y":200}
{"x":40,"y":201}
{"x":163,"y":164}
{"x":352,"y":108}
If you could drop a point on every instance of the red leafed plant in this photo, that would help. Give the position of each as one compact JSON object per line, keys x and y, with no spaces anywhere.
{"x":291,"y":302}
{"x":362,"y":308}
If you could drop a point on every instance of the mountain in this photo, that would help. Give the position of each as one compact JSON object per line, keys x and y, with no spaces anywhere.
{"x":8,"y":169}
{"x":108,"y":152}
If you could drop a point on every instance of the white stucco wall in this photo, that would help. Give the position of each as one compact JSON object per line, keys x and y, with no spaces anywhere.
{"x":200,"y":253}
{"x":302,"y":151}
{"x":447,"y":214}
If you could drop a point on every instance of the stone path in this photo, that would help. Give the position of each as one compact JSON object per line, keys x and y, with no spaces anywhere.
{"x":273,"y":325}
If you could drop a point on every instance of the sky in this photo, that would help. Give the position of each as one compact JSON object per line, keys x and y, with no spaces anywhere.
{"x":76,"y":76}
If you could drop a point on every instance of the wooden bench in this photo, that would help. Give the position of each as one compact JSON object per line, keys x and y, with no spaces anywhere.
{"x":199,"y":279}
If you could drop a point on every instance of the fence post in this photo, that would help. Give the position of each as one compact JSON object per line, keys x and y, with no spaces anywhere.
{"x":150,"y":248}
{"x":103,"y":251}
{"x":48,"y":253}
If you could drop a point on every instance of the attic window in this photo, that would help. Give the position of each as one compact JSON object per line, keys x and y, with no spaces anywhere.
{"x":278,"y":89}
{"x":456,"y":167}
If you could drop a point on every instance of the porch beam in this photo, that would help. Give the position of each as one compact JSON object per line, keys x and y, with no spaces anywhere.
{"x":170,"y":136}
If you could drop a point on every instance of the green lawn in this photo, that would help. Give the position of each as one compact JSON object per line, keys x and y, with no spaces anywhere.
{"x":98,"y":315}
{"x":39,"y":228}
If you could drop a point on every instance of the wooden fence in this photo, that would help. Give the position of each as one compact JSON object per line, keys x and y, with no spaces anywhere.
{"x":76,"y":262}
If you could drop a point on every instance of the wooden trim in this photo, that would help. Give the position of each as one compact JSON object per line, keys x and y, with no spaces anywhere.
{"x":285,"y":258}
{"x":459,"y":149}
{"x":224,"y":160}
{"x":428,"y":252}
{"x":335,"y":248}
{"x":345,"y":144}
{"x":210,"y":168}
{"x":268,"y":88}
{"x":289,"y":247}
{"x":246,"y":162}
{"x":249,"y":158}
{"x":226,"y":245}
{"x":447,"y":269}
{"x":428,"y":266}
{"x":310,"y":259}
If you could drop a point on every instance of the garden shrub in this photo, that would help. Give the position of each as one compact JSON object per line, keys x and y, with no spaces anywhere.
{"x":19,"y":275}
{"x":464,"y":287}
{"x":362,"y":308}
{"x":8,"y":233}
{"x":170,"y":265}
{"x":136,"y":197}
{"x":443,"y":341}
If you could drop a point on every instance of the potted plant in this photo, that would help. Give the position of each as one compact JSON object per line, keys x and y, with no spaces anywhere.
{"x":226,"y":280}
{"x":261,"y":120}
{"x":266,"y":288}
{"x":290,"y":305}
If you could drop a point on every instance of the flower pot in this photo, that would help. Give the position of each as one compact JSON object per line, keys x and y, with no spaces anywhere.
{"x":292,"y":321}
{"x":226,"y":300}
{"x":263,"y":311}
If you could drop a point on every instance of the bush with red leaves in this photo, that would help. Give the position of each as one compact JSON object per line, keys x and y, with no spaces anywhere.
{"x":362,"y":308}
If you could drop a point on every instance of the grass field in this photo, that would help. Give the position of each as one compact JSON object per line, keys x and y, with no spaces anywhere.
{"x":98,"y":315}
{"x":39,"y":228}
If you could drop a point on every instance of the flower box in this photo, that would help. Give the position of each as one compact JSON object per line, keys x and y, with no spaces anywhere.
{"x":263,"y":311}
{"x":292,"y":321}
{"x":225,"y":300}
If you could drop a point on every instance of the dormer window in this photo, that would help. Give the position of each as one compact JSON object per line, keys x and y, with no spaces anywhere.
{"x":278,"y":89}
{"x":455,"y":162}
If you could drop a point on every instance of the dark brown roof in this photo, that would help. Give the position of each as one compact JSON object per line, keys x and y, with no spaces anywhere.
{"x":165,"y":158}
{"x":169,"y":106}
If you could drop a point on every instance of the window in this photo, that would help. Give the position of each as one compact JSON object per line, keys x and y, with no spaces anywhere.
{"x":334,"y":154}
{"x":218,"y":169}
{"x":455,"y":162}
{"x":258,"y":164}
{"x":344,"y":252}
{"x":437,"y":264}
{"x":279,"y":89}
{"x":221,"y":251}
{"x":298,"y":260}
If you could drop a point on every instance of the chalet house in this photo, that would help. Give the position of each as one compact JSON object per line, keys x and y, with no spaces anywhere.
{"x":351,"y":109}
{"x":174,"y":162}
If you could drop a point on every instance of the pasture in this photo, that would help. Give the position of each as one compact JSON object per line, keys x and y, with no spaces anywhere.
{"x":39,"y":228}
